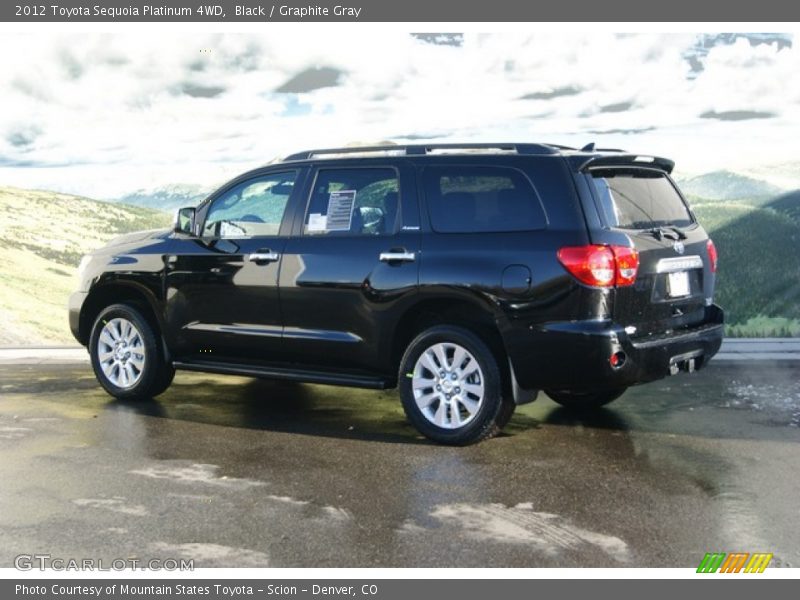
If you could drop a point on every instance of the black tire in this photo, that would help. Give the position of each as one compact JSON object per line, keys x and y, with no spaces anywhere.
{"x":506,"y":412}
{"x":493,"y":410}
{"x":167,"y":375}
{"x":584,"y":401}
{"x":156,"y":374}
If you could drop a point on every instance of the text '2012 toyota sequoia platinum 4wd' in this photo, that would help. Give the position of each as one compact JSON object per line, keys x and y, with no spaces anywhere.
{"x":469,"y":276}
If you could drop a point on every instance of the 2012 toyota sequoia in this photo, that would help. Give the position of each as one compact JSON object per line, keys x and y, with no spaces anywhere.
{"x":468,"y":276}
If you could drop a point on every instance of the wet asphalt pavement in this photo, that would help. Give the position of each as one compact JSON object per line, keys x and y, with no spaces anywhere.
{"x":237,"y":472}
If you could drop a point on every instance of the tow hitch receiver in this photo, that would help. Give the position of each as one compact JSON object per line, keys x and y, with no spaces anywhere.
{"x":688,"y":362}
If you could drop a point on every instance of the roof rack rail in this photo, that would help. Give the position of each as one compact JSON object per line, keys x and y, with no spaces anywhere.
{"x":422,"y":150}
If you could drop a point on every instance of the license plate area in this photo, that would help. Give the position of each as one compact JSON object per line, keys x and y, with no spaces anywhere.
{"x":678,"y":279}
{"x":678,"y":284}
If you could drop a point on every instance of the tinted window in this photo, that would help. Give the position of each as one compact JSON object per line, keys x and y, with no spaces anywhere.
{"x":252,"y":208}
{"x":639,"y":199}
{"x":353,"y":202}
{"x":481,"y":199}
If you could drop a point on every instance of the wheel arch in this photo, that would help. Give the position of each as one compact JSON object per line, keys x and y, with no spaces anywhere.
{"x":447,"y":309}
{"x":118,"y":292}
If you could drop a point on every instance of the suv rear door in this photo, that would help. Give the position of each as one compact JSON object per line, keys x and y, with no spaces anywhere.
{"x":675,"y":280}
{"x":351,"y":265}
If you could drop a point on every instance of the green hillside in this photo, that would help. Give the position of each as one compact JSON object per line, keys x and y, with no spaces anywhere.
{"x":758,"y":281}
{"x":42,"y":238}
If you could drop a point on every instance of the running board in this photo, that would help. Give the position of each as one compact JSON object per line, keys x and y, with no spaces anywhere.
{"x":287,"y":374}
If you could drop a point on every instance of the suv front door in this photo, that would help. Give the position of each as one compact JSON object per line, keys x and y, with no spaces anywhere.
{"x":351,"y":266}
{"x":222,"y":300}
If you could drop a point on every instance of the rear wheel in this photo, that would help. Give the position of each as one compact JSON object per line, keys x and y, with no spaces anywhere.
{"x":506,"y":412}
{"x":451,"y":387}
{"x":584,"y":400}
{"x":127,"y":356}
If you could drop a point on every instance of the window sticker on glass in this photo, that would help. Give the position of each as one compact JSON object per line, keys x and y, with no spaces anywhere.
{"x":317,"y":222}
{"x":340,"y":210}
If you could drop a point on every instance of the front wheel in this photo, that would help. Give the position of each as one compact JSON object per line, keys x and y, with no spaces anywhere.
{"x":126,"y":354}
{"x":451,"y":387}
{"x":583,"y":401}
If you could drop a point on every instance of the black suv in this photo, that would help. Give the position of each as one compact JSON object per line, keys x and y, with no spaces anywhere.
{"x":469,"y":276}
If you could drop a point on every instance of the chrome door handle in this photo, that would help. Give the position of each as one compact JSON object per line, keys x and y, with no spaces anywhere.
{"x":263,"y":256}
{"x":397,"y":257}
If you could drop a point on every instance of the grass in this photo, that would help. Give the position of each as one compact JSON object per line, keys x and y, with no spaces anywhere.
{"x":42,"y":238}
{"x":761,"y":326}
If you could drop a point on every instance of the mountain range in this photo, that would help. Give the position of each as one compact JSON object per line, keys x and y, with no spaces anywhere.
{"x":167,"y":198}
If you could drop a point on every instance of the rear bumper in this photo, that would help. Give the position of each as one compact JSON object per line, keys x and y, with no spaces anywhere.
{"x":575,"y":355}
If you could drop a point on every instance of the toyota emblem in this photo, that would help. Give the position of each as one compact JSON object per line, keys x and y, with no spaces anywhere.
{"x":678,"y":246}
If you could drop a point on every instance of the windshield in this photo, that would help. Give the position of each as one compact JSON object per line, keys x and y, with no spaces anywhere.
{"x":639,"y":199}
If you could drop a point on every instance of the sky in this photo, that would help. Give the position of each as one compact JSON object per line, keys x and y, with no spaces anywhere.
{"x":103,"y":115}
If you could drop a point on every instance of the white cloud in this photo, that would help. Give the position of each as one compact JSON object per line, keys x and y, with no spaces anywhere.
{"x":105,"y":114}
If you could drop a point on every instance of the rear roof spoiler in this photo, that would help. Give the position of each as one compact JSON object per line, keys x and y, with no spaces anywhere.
{"x":582,"y":163}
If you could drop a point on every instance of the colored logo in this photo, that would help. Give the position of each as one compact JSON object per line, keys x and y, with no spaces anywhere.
{"x":735,"y":562}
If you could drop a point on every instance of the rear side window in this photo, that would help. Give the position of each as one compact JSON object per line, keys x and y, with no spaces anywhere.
{"x":481,"y":199}
{"x":353,"y":202}
{"x":639,"y":199}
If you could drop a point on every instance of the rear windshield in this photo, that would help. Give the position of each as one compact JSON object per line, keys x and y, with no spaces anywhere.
{"x":639,"y":199}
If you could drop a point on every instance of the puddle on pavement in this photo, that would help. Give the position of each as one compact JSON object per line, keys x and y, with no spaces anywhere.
{"x":557,"y":488}
{"x":759,"y":393}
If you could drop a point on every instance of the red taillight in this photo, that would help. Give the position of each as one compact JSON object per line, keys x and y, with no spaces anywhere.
{"x":712,"y":255}
{"x":601,"y":266}
{"x":592,"y":265}
{"x":627,"y":264}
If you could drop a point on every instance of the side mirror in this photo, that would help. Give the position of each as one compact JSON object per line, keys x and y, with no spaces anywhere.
{"x":184,"y":220}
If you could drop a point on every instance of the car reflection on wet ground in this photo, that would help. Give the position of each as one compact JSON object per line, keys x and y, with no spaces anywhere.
{"x":242,"y":473}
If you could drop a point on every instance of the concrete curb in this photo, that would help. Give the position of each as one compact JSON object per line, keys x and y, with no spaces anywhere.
{"x":43,"y":356}
{"x":745,"y":349}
